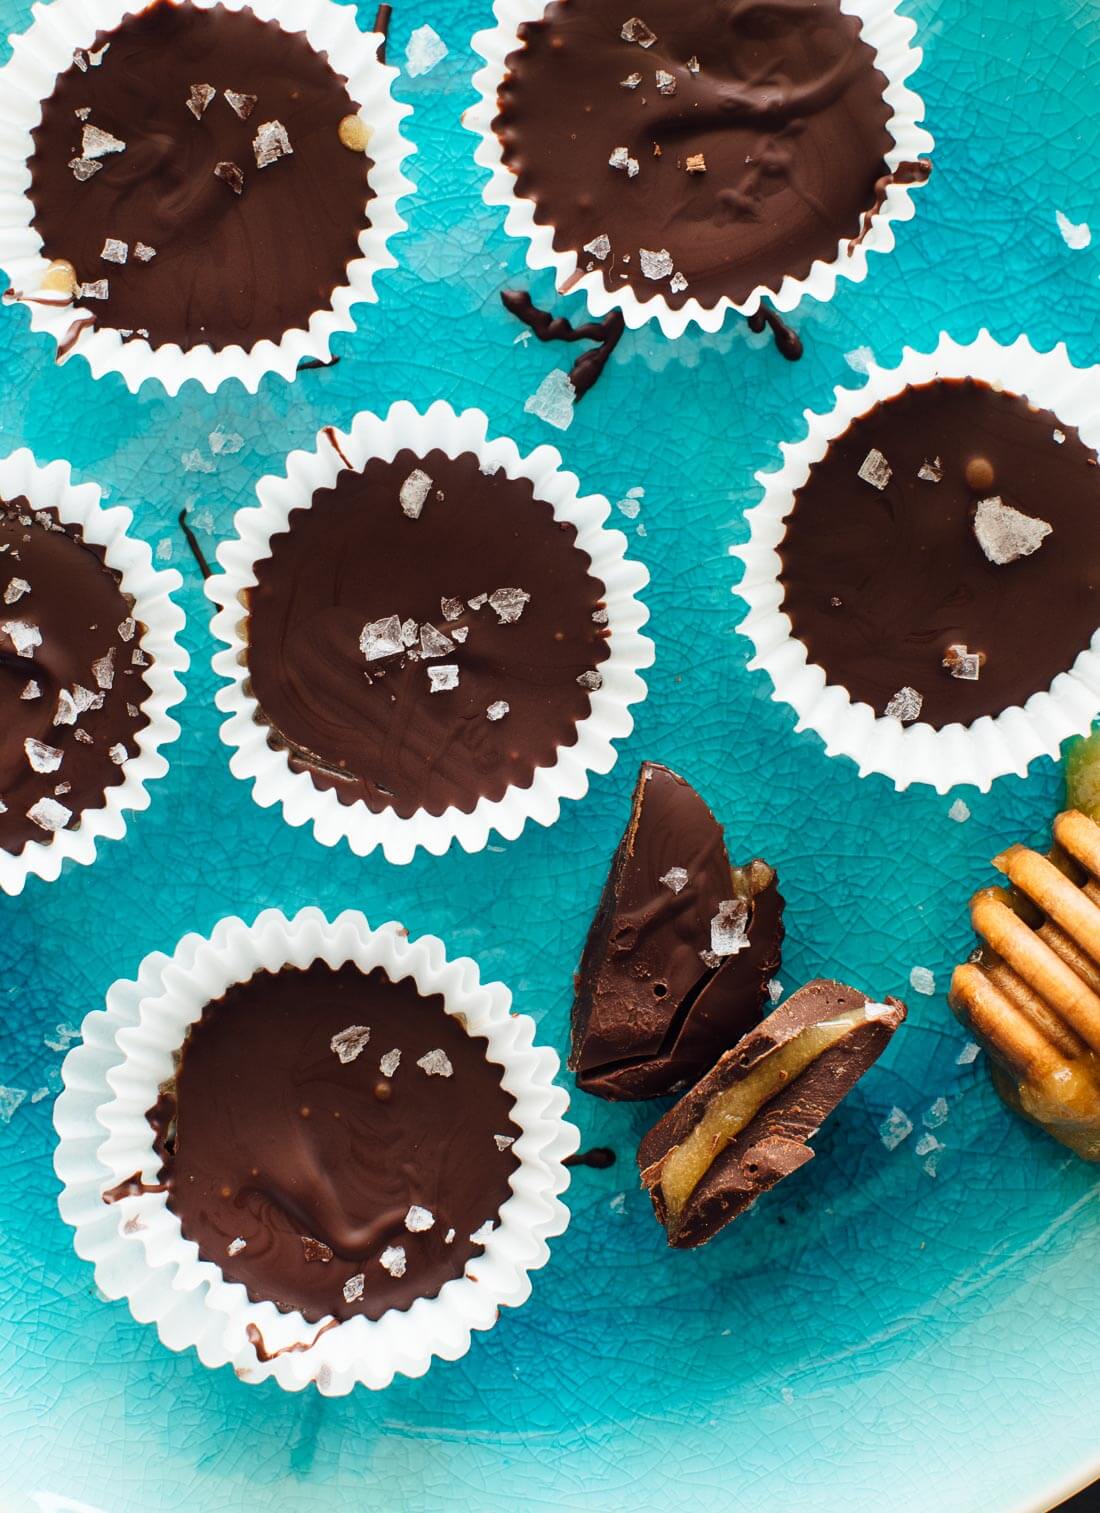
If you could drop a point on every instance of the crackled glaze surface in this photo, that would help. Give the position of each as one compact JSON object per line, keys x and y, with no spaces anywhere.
{"x":871,"y":1327}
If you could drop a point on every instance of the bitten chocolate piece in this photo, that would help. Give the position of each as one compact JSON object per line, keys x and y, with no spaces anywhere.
{"x":335,"y":1141}
{"x":744,"y":1127}
{"x":677,"y":962}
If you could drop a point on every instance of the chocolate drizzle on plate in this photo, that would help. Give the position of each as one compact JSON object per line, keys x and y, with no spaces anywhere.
{"x":604,"y":332}
{"x":788,"y":343}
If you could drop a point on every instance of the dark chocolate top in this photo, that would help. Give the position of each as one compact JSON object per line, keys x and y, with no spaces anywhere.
{"x":880,"y":583}
{"x":353,"y":700}
{"x":751,"y":136}
{"x":70,"y":689}
{"x":774,"y":1142}
{"x":229,"y":268}
{"x":343,"y":1181}
{"x":654,"y":1007}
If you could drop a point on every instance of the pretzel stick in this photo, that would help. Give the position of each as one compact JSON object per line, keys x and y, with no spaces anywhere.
{"x":1042,"y":1017}
{"x":1060,"y":900}
{"x":997,"y":1021}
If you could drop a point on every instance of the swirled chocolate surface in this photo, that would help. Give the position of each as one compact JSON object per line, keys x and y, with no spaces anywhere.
{"x":697,"y":148}
{"x":425,"y":634}
{"x":330,"y":1140}
{"x":880,"y":582}
{"x":226,"y":267}
{"x":70,"y":687}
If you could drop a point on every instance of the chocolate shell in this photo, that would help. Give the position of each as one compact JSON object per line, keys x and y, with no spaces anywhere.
{"x":654,"y":1006}
{"x":845,"y":1032}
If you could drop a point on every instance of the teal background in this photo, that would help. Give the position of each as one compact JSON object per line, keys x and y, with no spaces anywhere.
{"x":870,"y":1336}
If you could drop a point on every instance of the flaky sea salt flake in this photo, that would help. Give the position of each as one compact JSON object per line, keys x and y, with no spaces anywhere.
{"x":418,"y":1219}
{"x":126,"y":629}
{"x":118,"y":754}
{"x":592,"y":680}
{"x":349,"y":1044}
{"x":353,"y":1287}
{"x":23,"y":636}
{"x":199,"y":98}
{"x":231,"y":174}
{"x":433,"y":643}
{"x":103,"y":670}
{"x":553,"y":400}
{"x":390,"y":1062}
{"x":271,"y":143}
{"x":413,"y":493}
{"x":235,"y":1247}
{"x":10,"y":1100}
{"x":677,"y":283}
{"x":436,"y":1064}
{"x":95,"y":143}
{"x":620,"y":158}
{"x":599,"y":246}
{"x":425,"y":49}
{"x":49,"y":815}
{"x":479,"y":601}
{"x":1076,"y":237}
{"x":655,"y":265}
{"x":99,"y":288}
{"x":692,"y":64}
{"x":905,"y":705}
{"x":443,"y":677}
{"x":393,"y":1260}
{"x":84,"y":168}
{"x":969,"y":1054}
{"x":497,"y":710}
{"x":1006,"y":534}
{"x":930,"y":470}
{"x":926,"y":1145}
{"x":31,"y":691}
{"x":315,"y":1250}
{"x":502,"y":1142}
{"x":728,"y":933}
{"x":921,"y":980}
{"x":241,"y":105}
{"x":381,"y":638}
{"x":875,"y":470}
{"x":452,"y":609}
{"x":959,"y":812}
{"x":936,"y":1115}
{"x":115,"y":251}
{"x":144,"y":253}
{"x":224,"y":443}
{"x":666,"y":82}
{"x":41,"y":757}
{"x":675,"y":878}
{"x":635,"y":30}
{"x":631,"y":81}
{"x":896,"y":1127}
{"x":775,"y":990}
{"x":509,"y":604}
{"x":1058,"y":437}
{"x":15,"y":590}
{"x":962,"y":663}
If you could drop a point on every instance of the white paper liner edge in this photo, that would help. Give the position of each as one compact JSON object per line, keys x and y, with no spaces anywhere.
{"x":79,"y":504}
{"x":609,"y":720}
{"x":111,"y":1079}
{"x":45,"y":49}
{"x":884,"y":29}
{"x":990,"y":747}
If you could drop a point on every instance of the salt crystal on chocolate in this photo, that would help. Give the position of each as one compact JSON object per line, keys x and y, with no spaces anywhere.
{"x":235,"y":1247}
{"x":675,"y":878}
{"x":631,"y":81}
{"x":413,"y":493}
{"x":381,"y":638}
{"x":242,"y":105}
{"x":433,"y":643}
{"x":23,"y":637}
{"x":82,"y":736}
{"x":118,"y":754}
{"x":666,"y":82}
{"x":103,"y":670}
{"x":62,"y":788}
{"x":655,"y":265}
{"x":127,"y":628}
{"x":962,"y":663}
{"x":15,"y":590}
{"x":42,"y":758}
{"x":599,"y":246}
{"x":353,"y":1287}
{"x":410,"y":632}
{"x":905,"y":705}
{"x":478,"y":601}
{"x":728,"y":928}
{"x":875,"y":470}
{"x":452,"y":609}
{"x":31,"y":691}
{"x":620,"y":158}
{"x":315,"y":1250}
{"x":449,"y":1237}
{"x":95,"y":143}
{"x":99,"y":288}
{"x":271,"y":143}
{"x":635,"y":30}
{"x":144,"y":253}
{"x":1006,"y":534}
{"x":509,"y":604}
{"x":497,"y":710}
{"x":70,"y":706}
{"x":592,"y":680}
{"x":930,"y":471}
{"x":1058,"y":437}
{"x":677,"y":283}
{"x":83,"y":169}
{"x":502,"y":1142}
{"x":199,"y":98}
{"x":349,"y":1043}
{"x":692,"y":64}
{"x":231,"y":174}
{"x":115,"y":251}
{"x":393,"y":1260}
{"x":390,"y":1062}
{"x":443,"y":678}
{"x":418,"y":1219}
{"x":49,"y":815}
{"x":436,"y":1064}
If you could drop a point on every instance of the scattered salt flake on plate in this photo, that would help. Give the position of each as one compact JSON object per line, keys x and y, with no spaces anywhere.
{"x":553,"y":400}
{"x":115,"y":251}
{"x":381,"y":638}
{"x":930,"y":470}
{"x":502,"y":1142}
{"x":390,"y":1062}
{"x":620,"y":158}
{"x":15,"y":590}
{"x":599,"y":246}
{"x":728,"y":934}
{"x":675,"y":878}
{"x":859,"y":359}
{"x":775,"y":990}
{"x":23,"y":637}
{"x":509,"y":604}
{"x":353,"y":1287}
{"x":418,"y":1219}
{"x":271,"y":143}
{"x":1076,"y":237}
{"x":905,"y":705}
{"x":199,"y":98}
{"x":164,"y":549}
{"x":315,"y":1250}
{"x":666,"y":82}
{"x":393,"y":1260}
{"x":84,"y":168}
{"x":232,"y":175}
{"x":896,"y":1127}
{"x":936,"y":1115}
{"x":235,"y":1247}
{"x":436,"y":1064}
{"x":40,"y":1093}
{"x":629,"y":507}
{"x":10,"y":1099}
{"x":31,"y":691}
{"x":875,"y":470}
{"x":963,"y":663}
{"x":926,"y":1145}
{"x":443,"y":677}
{"x":592,"y":680}
{"x":224,"y":443}
{"x":95,"y":143}
{"x":144,"y":253}
{"x":433,"y":643}
{"x":349,"y":1043}
{"x":103,"y":669}
{"x":482,"y":1233}
{"x":452,"y":609}
{"x":49,"y":815}
{"x":931,"y":1164}
{"x":921,"y":980}
{"x":959,"y":812}
{"x":635,"y":30}
{"x":241,"y":105}
{"x":413,"y":493}
{"x":425,"y":49}
{"x":1006,"y":534}
{"x":969,"y":1053}
{"x":41,"y":757}
{"x":497,"y":710}
{"x":617,"y":1204}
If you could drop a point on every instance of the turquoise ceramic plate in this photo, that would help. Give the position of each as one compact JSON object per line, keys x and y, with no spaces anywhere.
{"x":872,"y":1336}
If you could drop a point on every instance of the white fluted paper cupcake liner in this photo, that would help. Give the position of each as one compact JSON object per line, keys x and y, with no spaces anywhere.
{"x":51,"y":486}
{"x":991,"y":746}
{"x":136,"y":1244}
{"x":45,"y":49}
{"x":884,"y":29}
{"x":609,"y":720}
